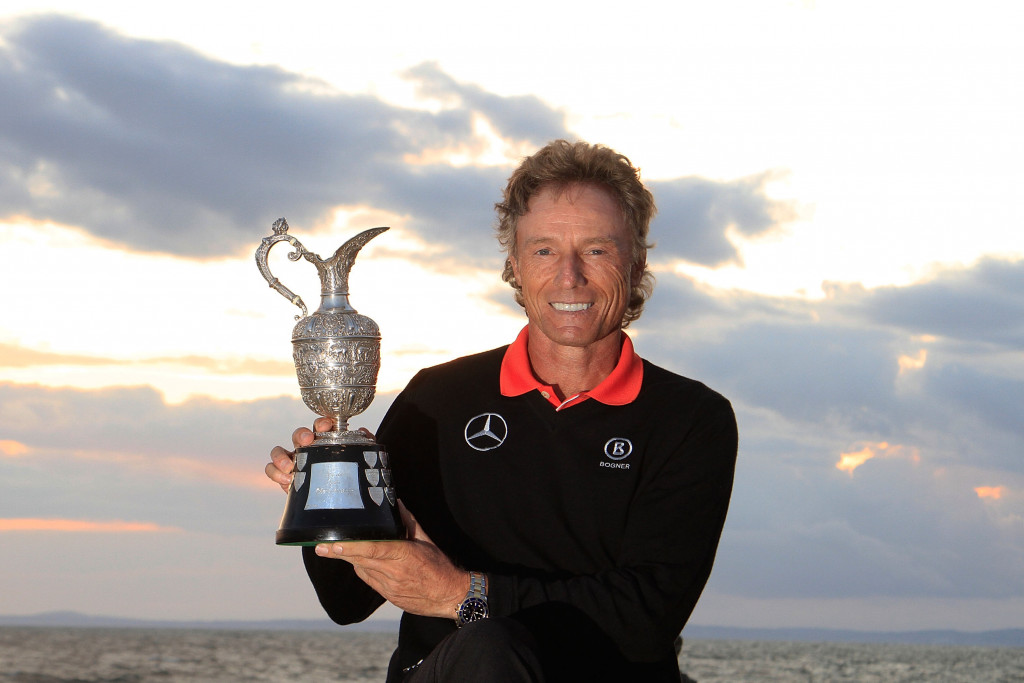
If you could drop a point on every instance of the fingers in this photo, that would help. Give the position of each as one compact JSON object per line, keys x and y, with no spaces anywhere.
{"x":413,"y":530}
{"x":323,"y":424}
{"x":280,"y":467}
{"x":282,"y":459}
{"x":331,"y":550}
{"x":302,"y":436}
{"x":361,"y":551}
{"x":283,"y":479}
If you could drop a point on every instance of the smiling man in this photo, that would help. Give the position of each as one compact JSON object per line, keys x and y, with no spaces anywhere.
{"x":564,"y":497}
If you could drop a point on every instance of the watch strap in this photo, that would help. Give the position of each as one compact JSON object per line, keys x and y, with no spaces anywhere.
{"x":474,"y":606}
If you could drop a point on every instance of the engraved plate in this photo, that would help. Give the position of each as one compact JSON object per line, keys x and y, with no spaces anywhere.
{"x":391,"y":494}
{"x":334,"y":486}
{"x":300,"y":460}
{"x":370,"y":457}
{"x":386,"y":474}
{"x":377,"y":493}
{"x":384,"y":459}
{"x":373,"y":476}
{"x":298,"y":480}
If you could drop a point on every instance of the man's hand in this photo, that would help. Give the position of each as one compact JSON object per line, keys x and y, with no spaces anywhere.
{"x":282,"y":461}
{"x":414,"y":575}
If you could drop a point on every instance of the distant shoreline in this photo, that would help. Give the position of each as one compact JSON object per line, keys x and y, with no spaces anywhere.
{"x":993,"y":638}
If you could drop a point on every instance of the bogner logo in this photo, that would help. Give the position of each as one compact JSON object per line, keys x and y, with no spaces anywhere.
{"x":486,"y":432}
{"x":617,"y":449}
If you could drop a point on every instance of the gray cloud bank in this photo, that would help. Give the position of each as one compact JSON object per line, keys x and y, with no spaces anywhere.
{"x":124,"y":454}
{"x":810,"y":381}
{"x":157,"y":147}
{"x":814,"y":380}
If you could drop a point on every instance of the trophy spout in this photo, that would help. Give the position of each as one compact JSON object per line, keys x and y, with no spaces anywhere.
{"x":335,"y":270}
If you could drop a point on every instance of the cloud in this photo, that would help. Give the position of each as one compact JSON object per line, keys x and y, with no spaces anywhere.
{"x":994,"y":492}
{"x":523,"y":118}
{"x":897,"y":527}
{"x":695,"y":216}
{"x":133,"y":420}
{"x":107,"y":453}
{"x":13,"y":449}
{"x":75,"y":526}
{"x":15,"y":356}
{"x":850,"y":461}
{"x":983,"y":303}
{"x":995,"y":400}
{"x":157,"y":147}
{"x":864,"y":438}
{"x":160,"y":148}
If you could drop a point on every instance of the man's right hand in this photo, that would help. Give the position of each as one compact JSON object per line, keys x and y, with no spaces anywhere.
{"x":282,"y":461}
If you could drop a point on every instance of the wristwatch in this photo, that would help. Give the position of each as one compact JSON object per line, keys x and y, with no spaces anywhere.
{"x":474,"y":607}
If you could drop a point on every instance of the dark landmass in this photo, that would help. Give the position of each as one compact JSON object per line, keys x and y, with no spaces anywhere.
{"x":78,"y":620}
{"x":994,"y":638}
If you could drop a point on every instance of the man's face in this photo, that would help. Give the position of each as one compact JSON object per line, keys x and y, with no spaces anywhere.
{"x":575,"y":265}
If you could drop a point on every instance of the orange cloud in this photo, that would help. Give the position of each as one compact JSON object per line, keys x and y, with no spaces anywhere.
{"x":245,"y":476}
{"x":908,"y":363}
{"x":12,"y":356}
{"x":993,"y":492}
{"x":12,"y":449}
{"x":80,"y":526}
{"x":848,"y":462}
{"x":230,"y":366}
{"x":21,"y":357}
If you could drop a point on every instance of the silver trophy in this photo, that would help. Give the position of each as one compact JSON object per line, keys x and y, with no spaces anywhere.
{"x":342,"y":486}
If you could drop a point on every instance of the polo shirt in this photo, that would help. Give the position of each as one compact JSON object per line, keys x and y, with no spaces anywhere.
{"x":619,"y":388}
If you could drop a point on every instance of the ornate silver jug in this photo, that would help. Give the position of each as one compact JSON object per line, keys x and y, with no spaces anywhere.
{"x":341,"y":488}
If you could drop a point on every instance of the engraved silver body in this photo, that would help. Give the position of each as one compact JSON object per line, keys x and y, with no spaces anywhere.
{"x":336,"y":350}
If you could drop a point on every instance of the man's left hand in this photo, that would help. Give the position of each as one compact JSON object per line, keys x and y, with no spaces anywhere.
{"x":414,"y":575}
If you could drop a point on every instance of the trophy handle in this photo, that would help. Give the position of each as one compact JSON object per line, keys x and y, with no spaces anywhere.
{"x":280,"y":228}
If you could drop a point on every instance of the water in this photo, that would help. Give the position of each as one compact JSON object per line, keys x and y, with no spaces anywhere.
{"x":96,"y":655}
{"x":734,"y":660}
{"x":92,"y":655}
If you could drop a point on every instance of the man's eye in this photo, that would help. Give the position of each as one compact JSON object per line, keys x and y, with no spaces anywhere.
{"x":543,"y":252}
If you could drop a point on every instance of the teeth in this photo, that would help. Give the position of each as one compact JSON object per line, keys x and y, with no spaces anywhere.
{"x":570,"y":307}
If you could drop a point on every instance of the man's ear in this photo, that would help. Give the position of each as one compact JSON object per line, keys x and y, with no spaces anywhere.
{"x":515,"y":267}
{"x":638,"y":269}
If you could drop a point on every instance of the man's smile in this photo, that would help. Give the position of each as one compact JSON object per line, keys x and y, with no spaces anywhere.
{"x":570,"y":307}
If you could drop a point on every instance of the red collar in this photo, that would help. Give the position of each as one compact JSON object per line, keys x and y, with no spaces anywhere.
{"x":617,"y":389}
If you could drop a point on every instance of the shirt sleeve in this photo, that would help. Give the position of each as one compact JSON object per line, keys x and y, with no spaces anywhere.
{"x":673,"y":528}
{"x":343,"y":595}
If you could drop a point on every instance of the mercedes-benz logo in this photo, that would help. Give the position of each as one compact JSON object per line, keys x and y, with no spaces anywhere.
{"x":486,"y":432}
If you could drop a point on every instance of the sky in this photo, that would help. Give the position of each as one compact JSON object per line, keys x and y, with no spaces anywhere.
{"x":839,"y":250}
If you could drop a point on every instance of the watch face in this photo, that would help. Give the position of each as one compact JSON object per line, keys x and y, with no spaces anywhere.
{"x":472,"y":609}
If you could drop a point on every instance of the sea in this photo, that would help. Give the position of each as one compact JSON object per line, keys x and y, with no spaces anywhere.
{"x":165,"y":655}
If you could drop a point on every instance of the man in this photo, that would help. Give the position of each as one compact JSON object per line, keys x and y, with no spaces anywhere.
{"x":568,"y":495}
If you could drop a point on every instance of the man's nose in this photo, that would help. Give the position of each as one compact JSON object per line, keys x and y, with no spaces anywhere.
{"x":570,"y":271}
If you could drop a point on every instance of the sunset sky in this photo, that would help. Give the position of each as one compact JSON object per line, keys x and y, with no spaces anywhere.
{"x":840,"y":251}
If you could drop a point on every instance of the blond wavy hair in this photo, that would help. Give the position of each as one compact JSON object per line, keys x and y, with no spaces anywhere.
{"x":561,"y":164}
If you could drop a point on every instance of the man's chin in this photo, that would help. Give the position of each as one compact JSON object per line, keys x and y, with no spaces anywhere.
{"x":572,"y":336}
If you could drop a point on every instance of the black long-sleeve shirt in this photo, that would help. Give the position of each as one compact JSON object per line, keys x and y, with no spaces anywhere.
{"x":615,"y":511}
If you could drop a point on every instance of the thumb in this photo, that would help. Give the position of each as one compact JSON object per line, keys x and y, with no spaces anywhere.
{"x":414,"y":532}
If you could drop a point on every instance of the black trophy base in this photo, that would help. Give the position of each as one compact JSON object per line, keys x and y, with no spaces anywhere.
{"x":340,"y":493}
